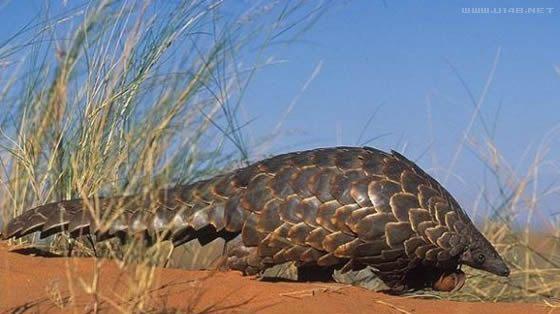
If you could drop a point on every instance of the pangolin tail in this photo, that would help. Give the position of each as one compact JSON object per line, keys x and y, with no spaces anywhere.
{"x":165,"y":216}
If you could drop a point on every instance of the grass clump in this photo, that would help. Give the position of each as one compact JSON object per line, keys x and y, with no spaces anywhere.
{"x":122,"y":97}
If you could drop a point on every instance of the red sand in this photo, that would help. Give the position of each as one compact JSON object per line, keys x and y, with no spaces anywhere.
{"x":36,"y":284}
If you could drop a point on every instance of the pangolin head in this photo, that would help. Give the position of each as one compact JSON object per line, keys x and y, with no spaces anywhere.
{"x":480,"y":254}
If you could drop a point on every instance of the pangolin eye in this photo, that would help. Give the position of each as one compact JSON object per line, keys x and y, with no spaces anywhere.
{"x":480,"y":258}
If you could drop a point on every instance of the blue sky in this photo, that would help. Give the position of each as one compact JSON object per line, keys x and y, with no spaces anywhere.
{"x":402,"y":55}
{"x":407,"y":61}
{"x":408,"y":58}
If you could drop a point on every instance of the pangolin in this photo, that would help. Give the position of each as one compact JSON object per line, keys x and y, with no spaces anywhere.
{"x":330,"y":208}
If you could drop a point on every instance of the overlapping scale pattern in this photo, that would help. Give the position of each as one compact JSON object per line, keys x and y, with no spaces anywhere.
{"x":343,"y":207}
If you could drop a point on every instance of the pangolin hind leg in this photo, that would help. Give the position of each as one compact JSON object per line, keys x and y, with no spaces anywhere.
{"x":243,"y":258}
{"x":247,"y":260}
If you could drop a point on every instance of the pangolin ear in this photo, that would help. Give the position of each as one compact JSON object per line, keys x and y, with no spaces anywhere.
{"x":469,"y":257}
{"x":466,"y":256}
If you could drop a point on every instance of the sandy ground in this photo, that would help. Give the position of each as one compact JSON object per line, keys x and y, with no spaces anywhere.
{"x":31,"y":284}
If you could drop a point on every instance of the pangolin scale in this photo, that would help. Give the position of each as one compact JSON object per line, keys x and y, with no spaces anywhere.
{"x":331,"y":208}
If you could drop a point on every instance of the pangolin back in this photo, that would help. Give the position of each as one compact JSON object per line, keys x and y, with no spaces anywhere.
{"x":342,"y":207}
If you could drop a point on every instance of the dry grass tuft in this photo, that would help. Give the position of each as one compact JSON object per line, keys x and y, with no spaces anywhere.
{"x":124,"y":97}
{"x":523,"y":230}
